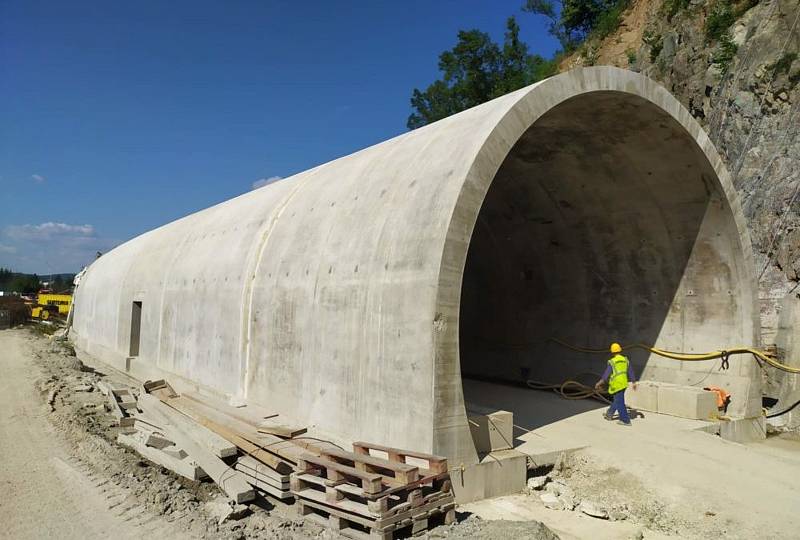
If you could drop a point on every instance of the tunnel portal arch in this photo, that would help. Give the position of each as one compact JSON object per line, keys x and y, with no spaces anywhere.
{"x":352,"y":296}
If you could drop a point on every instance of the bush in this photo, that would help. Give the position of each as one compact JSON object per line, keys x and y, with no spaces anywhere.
{"x":719,"y":20}
{"x":608,"y":21}
{"x":631,"y":56}
{"x":726,"y":51}
{"x":655,"y":42}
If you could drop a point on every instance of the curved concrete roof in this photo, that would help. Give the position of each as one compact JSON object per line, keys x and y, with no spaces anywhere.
{"x":335,"y":296}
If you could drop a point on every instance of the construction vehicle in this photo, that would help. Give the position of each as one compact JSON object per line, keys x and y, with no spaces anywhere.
{"x":50,"y":304}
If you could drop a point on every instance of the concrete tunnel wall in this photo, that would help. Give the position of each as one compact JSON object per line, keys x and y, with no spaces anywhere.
{"x":335,"y":296}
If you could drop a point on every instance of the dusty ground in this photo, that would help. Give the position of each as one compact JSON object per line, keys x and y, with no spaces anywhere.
{"x":63,"y":475}
{"x":661,"y":476}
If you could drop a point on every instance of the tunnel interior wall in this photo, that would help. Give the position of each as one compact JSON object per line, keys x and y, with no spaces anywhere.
{"x":604,"y":223}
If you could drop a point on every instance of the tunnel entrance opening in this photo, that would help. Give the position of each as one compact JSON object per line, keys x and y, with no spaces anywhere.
{"x":604,"y":223}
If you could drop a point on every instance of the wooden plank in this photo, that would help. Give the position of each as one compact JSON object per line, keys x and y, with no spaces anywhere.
{"x":436,"y":464}
{"x":216,"y":444}
{"x":228,"y":410}
{"x":253,"y":450}
{"x":400,"y":472}
{"x":279,"y":492}
{"x":281,"y":430}
{"x":261,"y":468}
{"x":274,"y":482}
{"x":184,"y":467}
{"x":266,"y":448}
{"x":229,"y":480}
{"x":370,"y":483}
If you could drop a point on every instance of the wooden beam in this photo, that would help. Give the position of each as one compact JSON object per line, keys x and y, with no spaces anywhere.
{"x":175,"y":423}
{"x":230,"y":434}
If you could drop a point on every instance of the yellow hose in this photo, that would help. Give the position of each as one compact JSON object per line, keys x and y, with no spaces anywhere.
{"x":691,"y":357}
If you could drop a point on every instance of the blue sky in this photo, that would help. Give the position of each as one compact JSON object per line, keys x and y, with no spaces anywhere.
{"x":118,"y":117}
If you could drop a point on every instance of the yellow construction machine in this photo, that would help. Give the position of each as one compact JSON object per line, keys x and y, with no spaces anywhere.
{"x":51,"y":304}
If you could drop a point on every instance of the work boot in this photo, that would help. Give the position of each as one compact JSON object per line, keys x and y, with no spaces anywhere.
{"x":607,"y":416}
{"x":620,"y":422}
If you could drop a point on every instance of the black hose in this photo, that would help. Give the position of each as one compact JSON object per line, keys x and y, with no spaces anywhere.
{"x":773,"y":415}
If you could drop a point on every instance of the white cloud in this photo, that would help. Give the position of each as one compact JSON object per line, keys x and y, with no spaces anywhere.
{"x":261,"y":182}
{"x":50,"y":247}
{"x":38,"y":178}
{"x":48,"y":231}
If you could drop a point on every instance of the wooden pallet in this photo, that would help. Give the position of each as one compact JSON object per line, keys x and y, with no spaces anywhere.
{"x":435,"y":464}
{"x":393,"y":472}
{"x":357,"y":527}
{"x":365,"y":496}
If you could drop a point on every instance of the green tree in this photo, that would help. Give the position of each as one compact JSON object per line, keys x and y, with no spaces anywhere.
{"x":571,"y":21}
{"x":477,"y":70}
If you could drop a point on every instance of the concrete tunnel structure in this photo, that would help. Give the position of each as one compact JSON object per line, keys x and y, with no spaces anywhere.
{"x":590,"y":207}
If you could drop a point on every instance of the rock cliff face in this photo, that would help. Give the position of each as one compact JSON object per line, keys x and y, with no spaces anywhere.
{"x":736,"y":67}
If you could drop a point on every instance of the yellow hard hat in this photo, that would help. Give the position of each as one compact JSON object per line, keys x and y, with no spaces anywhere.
{"x":615,"y":348}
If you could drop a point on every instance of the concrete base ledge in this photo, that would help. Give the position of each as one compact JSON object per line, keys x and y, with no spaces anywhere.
{"x":498,"y":473}
{"x":740,"y":430}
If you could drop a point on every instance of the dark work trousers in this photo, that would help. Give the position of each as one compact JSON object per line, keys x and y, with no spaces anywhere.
{"x":619,"y":405}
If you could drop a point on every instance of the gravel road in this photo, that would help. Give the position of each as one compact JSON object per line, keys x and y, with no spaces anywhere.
{"x":46,"y":492}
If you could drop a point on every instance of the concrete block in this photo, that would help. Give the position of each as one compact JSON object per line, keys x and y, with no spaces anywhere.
{"x":645,"y":397}
{"x":492,"y":431}
{"x":499,"y":473}
{"x":687,"y":402}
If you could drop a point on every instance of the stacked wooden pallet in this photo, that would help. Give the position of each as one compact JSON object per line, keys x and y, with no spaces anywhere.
{"x":363,"y":495}
{"x":373,"y":491}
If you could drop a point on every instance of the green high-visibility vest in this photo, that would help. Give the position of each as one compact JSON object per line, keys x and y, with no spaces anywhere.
{"x":618,"y":380}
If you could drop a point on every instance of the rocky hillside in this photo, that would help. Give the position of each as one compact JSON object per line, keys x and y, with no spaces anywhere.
{"x":735,"y":66}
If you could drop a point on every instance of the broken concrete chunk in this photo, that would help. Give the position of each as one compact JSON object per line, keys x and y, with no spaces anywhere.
{"x":568,"y":500}
{"x":537,"y":483}
{"x":592,"y":509}
{"x":615,"y":514}
{"x":225,"y":510}
{"x":551,"y":501}
{"x":83,"y":388}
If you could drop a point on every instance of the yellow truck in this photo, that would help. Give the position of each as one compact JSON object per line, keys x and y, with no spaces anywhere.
{"x":49,"y":304}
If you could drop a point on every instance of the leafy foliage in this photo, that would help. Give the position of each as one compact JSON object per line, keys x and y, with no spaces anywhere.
{"x":16,"y":282}
{"x":654,"y":41}
{"x":577,"y":20}
{"x":726,"y":51}
{"x":719,"y":20}
{"x":477,"y":70}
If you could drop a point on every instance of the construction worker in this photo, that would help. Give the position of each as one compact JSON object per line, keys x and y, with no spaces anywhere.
{"x":617,"y":375}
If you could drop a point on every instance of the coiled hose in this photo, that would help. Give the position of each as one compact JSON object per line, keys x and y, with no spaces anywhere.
{"x":572,"y":389}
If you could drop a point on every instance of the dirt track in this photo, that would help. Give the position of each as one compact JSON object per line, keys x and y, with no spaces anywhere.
{"x":64,"y":476}
{"x":46,"y":492}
